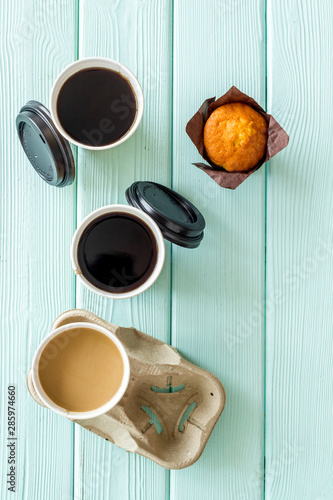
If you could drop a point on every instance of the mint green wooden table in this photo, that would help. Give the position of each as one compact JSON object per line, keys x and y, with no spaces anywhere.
{"x":253,"y":303}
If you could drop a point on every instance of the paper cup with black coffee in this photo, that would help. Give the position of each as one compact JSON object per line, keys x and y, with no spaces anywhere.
{"x":96,"y":103}
{"x":118,"y":251}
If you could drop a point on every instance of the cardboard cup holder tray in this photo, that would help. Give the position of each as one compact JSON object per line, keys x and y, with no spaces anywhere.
{"x":170,"y":407}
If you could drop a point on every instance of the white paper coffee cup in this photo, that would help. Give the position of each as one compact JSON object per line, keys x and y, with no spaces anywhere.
{"x":96,"y":62}
{"x":146,"y":219}
{"x":86,"y":414}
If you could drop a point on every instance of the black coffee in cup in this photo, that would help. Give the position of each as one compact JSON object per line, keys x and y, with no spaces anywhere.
{"x":96,"y":106}
{"x":117,"y":252}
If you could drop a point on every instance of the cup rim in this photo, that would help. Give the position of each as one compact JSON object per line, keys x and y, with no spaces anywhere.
{"x":87,"y":414}
{"x":152,"y":226}
{"x":102,"y":62}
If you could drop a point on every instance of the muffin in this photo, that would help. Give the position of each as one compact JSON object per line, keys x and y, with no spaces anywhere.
{"x":235,"y":137}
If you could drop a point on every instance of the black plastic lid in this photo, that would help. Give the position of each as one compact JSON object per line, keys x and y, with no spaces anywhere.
{"x":47,"y":150}
{"x":179,"y":220}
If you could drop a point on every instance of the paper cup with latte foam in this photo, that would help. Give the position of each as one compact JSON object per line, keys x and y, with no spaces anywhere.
{"x":61,"y":345}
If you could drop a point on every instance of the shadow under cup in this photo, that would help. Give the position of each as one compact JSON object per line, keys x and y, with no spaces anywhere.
{"x":80,"y":370}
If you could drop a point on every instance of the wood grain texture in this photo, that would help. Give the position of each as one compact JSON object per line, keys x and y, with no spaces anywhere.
{"x":218,"y":289}
{"x":36,"y":229}
{"x":137,"y":33}
{"x":299,"y":389}
{"x":209,"y":302}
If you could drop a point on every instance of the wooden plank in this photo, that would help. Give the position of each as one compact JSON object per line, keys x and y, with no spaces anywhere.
{"x":37,"y":40}
{"x":138,"y":34}
{"x":218,"y":289}
{"x":299,"y":389}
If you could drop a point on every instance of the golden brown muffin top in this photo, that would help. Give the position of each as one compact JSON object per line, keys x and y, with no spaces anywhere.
{"x":235,"y":137}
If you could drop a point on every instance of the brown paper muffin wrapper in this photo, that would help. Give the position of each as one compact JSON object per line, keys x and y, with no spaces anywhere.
{"x":276,"y":141}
